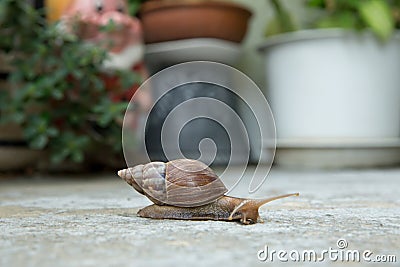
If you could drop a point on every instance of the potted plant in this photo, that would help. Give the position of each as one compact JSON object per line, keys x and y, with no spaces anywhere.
{"x":57,"y":98}
{"x":12,"y":142}
{"x":334,"y":83}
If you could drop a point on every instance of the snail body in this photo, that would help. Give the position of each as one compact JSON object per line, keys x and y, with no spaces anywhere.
{"x":189,"y":190}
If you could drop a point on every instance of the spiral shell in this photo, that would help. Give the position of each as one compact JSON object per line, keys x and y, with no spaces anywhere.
{"x":182,"y":182}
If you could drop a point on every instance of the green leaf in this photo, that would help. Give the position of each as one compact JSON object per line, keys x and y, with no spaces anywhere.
{"x":52,"y":131}
{"x":133,"y":6}
{"x":97,"y":83}
{"x":18,"y":117}
{"x":77,"y":74}
{"x":39,"y":142}
{"x":105,"y":119}
{"x":316,"y":3}
{"x":77,"y":156}
{"x":109,"y":27}
{"x":282,"y":21}
{"x":119,"y":108}
{"x":58,"y":156}
{"x":345,"y":20}
{"x":57,"y":94}
{"x":377,"y":15}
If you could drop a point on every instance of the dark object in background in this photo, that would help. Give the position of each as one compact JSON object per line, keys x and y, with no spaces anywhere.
{"x":196,"y":130}
{"x":37,"y":4}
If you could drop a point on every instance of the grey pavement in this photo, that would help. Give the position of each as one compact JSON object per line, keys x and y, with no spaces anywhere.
{"x":90,"y":220}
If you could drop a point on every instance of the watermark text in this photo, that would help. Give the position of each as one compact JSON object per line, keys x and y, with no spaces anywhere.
{"x":339,"y":253}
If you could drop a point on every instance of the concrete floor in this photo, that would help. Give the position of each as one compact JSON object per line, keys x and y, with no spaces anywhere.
{"x":91,"y":221}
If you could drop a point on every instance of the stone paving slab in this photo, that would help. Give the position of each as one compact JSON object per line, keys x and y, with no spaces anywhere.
{"x":91,"y":221}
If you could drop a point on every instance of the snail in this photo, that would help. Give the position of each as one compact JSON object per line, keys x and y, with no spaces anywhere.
{"x":189,"y":190}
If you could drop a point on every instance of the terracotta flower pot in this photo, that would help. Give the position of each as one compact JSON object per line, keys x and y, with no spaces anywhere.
{"x":175,"y":20}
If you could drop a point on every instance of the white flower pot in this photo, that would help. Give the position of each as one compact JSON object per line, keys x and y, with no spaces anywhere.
{"x":333,"y":85}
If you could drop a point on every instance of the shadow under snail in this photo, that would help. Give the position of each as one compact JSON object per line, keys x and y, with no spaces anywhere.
{"x":187,"y":189}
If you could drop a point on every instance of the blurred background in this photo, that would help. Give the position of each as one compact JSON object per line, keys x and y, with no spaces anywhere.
{"x":329,"y":70}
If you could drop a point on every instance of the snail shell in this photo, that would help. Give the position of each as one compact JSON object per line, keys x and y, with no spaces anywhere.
{"x":181,"y":182}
